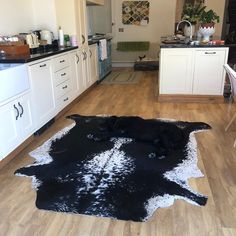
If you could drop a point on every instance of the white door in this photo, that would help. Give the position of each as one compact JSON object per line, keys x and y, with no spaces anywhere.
{"x":82,"y":20}
{"x":42,"y":92}
{"x":86,"y":68}
{"x":176,"y":71}
{"x":93,"y":57}
{"x":209,"y":72}
{"x":25,"y":107}
{"x":10,"y":130}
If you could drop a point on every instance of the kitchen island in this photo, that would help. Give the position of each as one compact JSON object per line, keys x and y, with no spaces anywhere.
{"x":192,"y":72}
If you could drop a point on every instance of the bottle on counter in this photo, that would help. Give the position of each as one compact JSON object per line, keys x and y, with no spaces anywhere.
{"x":61,"y":37}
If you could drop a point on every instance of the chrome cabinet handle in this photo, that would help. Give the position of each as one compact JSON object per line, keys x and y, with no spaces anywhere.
{"x":210,"y":53}
{"x":43,"y":65}
{"x":77,"y":58}
{"x":17,"y":112}
{"x":90,"y":53}
{"x":22,"y":109}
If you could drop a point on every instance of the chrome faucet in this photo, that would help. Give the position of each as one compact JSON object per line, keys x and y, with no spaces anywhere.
{"x":191,"y":28}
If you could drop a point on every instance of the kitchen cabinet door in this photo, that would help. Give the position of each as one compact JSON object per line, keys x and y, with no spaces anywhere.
{"x":42,"y":92}
{"x":26,"y":119}
{"x":10,"y":130}
{"x":176,"y":71}
{"x":209,"y":72}
{"x":93,"y":57}
{"x":81,"y":16}
{"x":17,"y":123}
{"x":86,"y":68}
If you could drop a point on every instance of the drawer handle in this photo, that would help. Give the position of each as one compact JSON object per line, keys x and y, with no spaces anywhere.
{"x":43,"y":65}
{"x":62,"y":61}
{"x":17,"y":112}
{"x":66,"y":99}
{"x":210,"y":53}
{"x":77,"y":58}
{"x":64,"y":74}
{"x":22,"y":109}
{"x":83,"y":39}
{"x":65,"y":87}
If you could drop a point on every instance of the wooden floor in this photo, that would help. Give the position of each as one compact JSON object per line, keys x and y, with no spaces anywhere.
{"x":217,"y":160}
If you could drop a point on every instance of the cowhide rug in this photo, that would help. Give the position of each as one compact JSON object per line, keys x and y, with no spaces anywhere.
{"x":119,"y":167}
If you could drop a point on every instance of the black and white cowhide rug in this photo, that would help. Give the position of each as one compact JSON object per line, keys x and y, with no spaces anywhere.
{"x":119,"y":167}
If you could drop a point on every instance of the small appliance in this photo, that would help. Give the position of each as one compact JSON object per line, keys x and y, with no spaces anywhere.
{"x":46,"y":35}
{"x":32,"y":40}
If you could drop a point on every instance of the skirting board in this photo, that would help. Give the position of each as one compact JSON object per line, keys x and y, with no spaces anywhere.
{"x":190,"y":98}
{"x":122,"y":64}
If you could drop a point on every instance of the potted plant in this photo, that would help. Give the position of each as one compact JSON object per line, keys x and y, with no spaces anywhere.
{"x":207,"y":24}
{"x":191,"y":13}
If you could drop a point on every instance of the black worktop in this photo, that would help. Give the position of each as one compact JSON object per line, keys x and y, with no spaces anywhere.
{"x":33,"y":57}
{"x":178,"y":45}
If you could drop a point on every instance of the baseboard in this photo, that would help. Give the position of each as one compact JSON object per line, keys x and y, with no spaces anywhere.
{"x":122,"y":64}
{"x":190,"y":98}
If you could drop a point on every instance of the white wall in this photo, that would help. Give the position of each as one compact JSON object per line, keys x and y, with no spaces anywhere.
{"x":15,"y":16}
{"x":44,"y":12}
{"x":19,"y":16}
{"x":162,"y":19}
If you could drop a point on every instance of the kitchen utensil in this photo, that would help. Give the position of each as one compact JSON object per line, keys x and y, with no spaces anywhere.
{"x":46,"y":35}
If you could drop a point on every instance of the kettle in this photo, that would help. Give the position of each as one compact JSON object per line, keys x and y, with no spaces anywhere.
{"x":32,"y":40}
{"x":46,"y":35}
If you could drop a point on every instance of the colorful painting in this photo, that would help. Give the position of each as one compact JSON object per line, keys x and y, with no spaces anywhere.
{"x":135,"y":12}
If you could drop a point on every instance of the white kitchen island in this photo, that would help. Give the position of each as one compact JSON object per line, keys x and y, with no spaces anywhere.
{"x":192,"y":73}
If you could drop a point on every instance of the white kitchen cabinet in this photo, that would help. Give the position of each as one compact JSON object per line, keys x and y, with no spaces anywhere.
{"x":86,"y":68}
{"x":192,"y":71}
{"x":16,"y":117}
{"x":175,"y":71}
{"x":208,"y":72}
{"x":42,"y":92}
{"x":93,"y":62}
{"x":79,"y":81}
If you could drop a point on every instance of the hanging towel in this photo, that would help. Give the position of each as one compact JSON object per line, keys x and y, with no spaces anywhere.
{"x":103,"y":49}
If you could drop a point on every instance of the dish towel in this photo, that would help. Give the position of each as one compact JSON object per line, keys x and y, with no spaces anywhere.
{"x":103,"y":49}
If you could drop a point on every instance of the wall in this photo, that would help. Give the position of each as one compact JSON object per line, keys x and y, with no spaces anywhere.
{"x":162,"y":19}
{"x":15,"y":16}
{"x":44,"y":12}
{"x":66,"y":8}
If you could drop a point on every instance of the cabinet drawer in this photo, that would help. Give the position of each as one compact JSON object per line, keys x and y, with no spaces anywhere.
{"x":61,"y":76}
{"x":63,"y":88}
{"x":60,"y":62}
{"x":63,"y":101}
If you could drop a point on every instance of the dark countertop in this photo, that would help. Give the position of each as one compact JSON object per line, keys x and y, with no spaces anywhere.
{"x":163,"y":45}
{"x":34,"y":57}
{"x":185,"y":44}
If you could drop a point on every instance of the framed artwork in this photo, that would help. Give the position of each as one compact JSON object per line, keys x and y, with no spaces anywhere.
{"x":135,"y":12}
